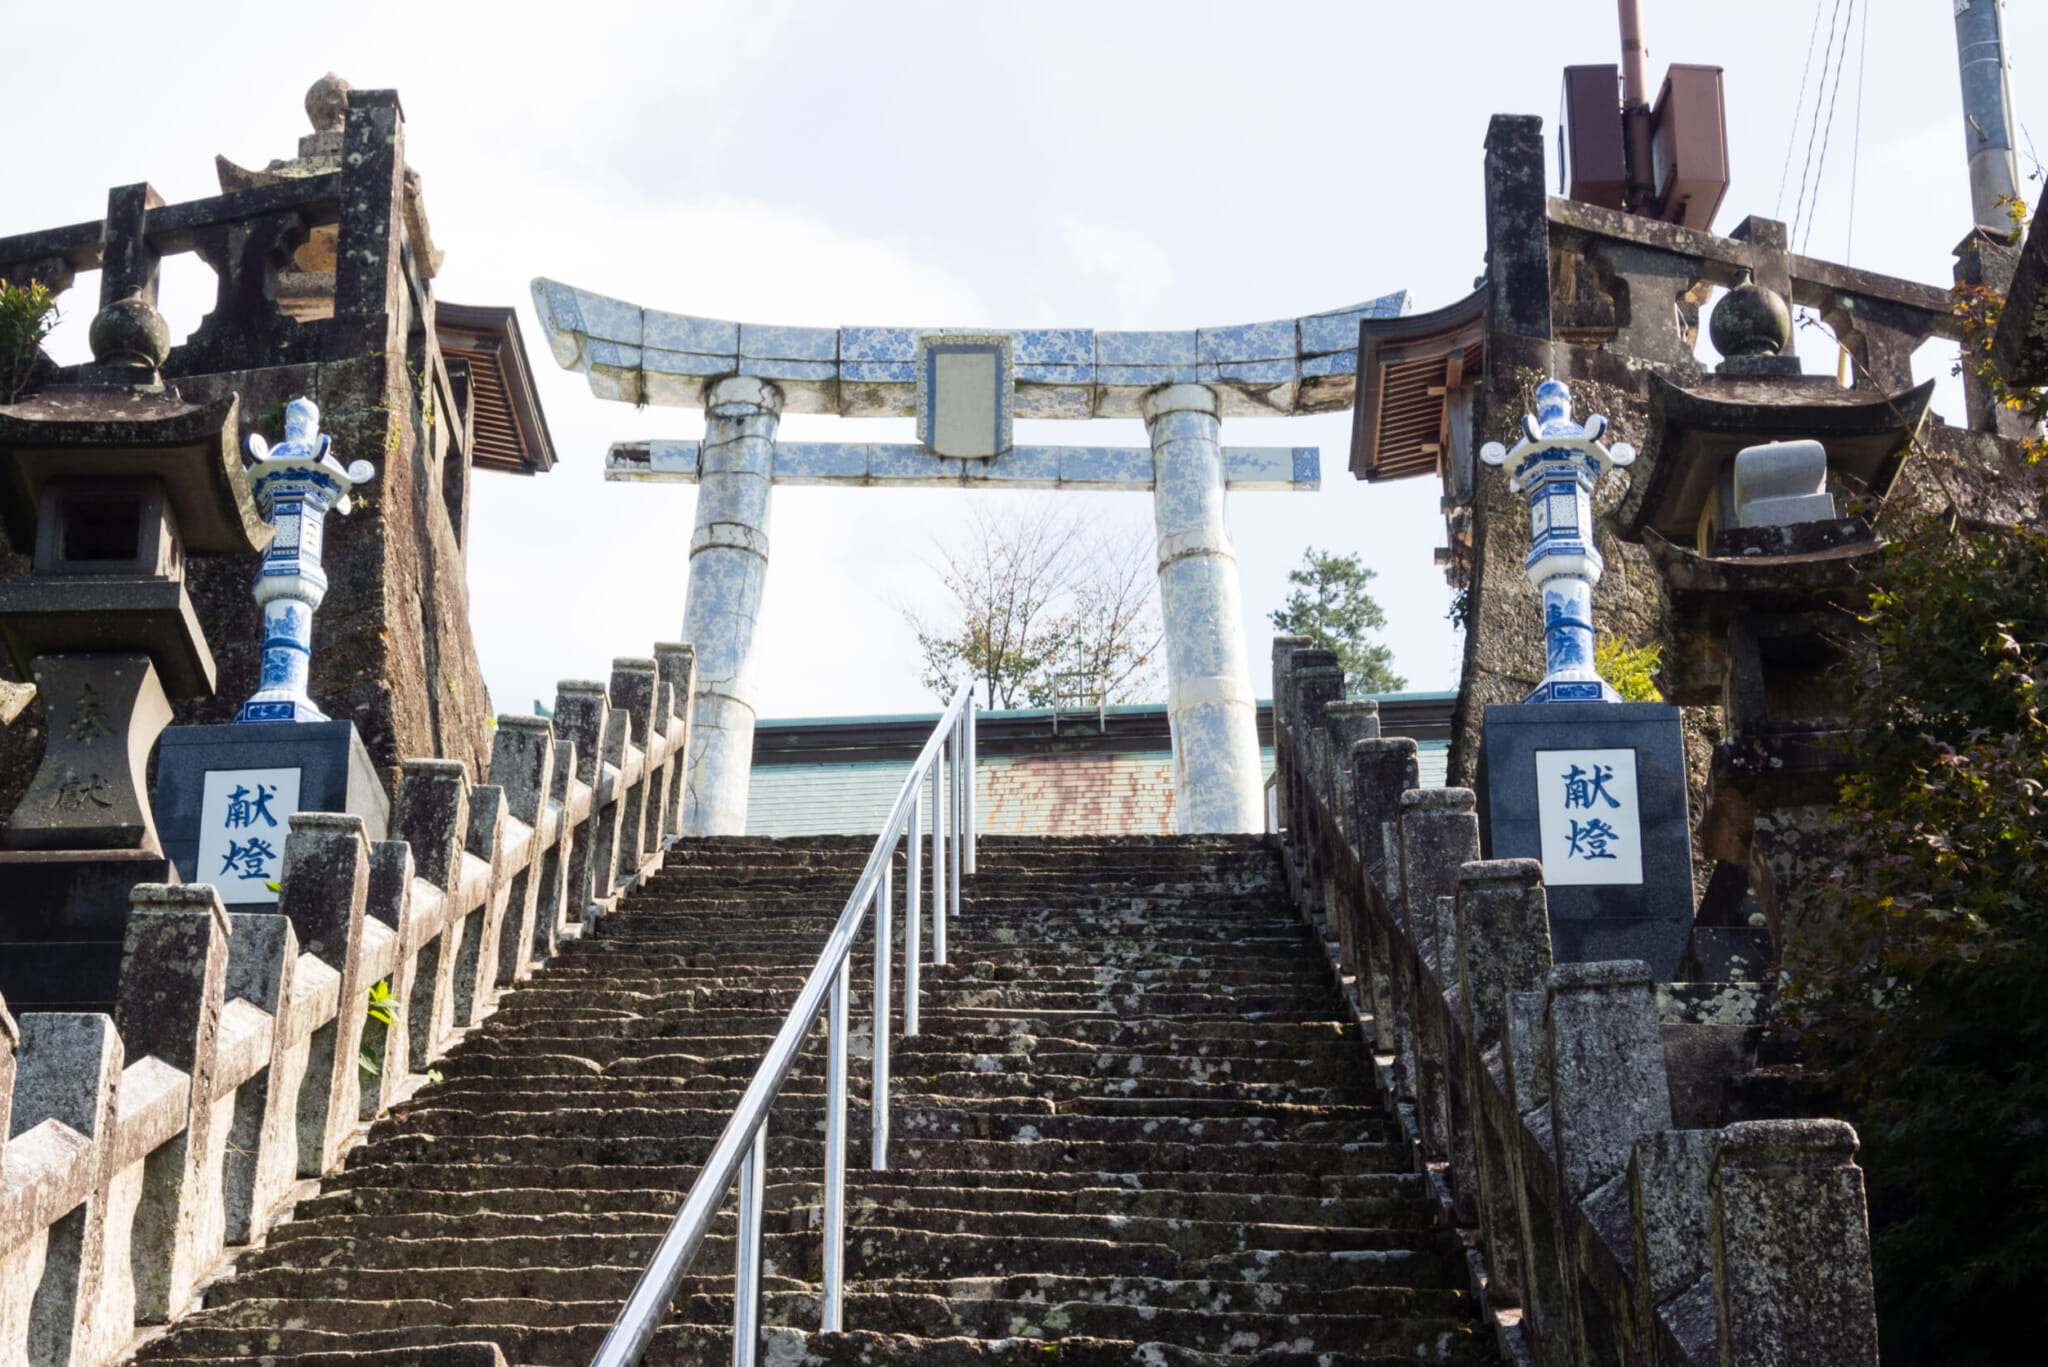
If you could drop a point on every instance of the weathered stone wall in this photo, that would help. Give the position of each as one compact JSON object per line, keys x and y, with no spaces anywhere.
{"x":392,"y":650}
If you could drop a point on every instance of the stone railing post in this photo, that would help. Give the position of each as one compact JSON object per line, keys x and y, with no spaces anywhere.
{"x":551,"y":903}
{"x":634,"y":685}
{"x":432,"y":815}
{"x":1608,"y":1088}
{"x":583,"y":717}
{"x":523,"y":765}
{"x":263,"y":1146}
{"x":677,"y":663}
{"x":1503,"y":930}
{"x":174,"y":965}
{"x":324,"y":888}
{"x":1439,"y":836}
{"x":1669,"y":1228}
{"x":389,"y":900}
{"x":1381,"y":770}
{"x":10,"y":1044}
{"x":83,"y":1311}
{"x":1791,"y":1247}
{"x":1345,"y":723}
{"x":1284,"y":648}
{"x":476,"y":972}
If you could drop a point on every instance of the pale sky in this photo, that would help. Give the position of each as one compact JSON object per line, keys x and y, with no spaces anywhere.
{"x":1107,"y":165}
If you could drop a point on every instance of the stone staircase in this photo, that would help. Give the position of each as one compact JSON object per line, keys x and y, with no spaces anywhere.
{"x":1137,"y":1127}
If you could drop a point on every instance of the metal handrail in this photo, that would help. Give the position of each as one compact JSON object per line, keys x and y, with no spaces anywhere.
{"x":742,"y":1149}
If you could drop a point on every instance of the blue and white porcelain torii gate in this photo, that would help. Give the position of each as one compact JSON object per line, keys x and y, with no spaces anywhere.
{"x":965,"y":387}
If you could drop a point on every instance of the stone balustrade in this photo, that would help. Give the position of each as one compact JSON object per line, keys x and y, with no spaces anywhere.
{"x":139,"y":1149}
{"x":1581,"y":1123}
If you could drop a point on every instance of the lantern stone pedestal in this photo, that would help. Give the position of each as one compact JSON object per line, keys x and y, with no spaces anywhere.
{"x":223,"y":794}
{"x":1597,"y":792}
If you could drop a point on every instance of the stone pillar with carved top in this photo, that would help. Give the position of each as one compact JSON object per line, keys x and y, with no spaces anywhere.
{"x":728,"y":569}
{"x":1210,"y":704}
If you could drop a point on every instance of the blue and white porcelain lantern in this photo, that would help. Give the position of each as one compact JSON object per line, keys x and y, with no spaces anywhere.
{"x":1558,"y":463}
{"x":296,"y":483}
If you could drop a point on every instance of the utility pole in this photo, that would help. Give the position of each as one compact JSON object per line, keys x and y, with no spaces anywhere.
{"x":1987,"y":109}
{"x":1635,"y":106}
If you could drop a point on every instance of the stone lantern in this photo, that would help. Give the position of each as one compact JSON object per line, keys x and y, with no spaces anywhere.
{"x":1557,"y":464}
{"x":1592,"y":786}
{"x":109,"y":481}
{"x":113,"y":483}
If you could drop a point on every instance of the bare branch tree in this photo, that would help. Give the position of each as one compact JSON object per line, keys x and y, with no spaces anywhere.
{"x":1005,"y":578}
{"x":1036,"y":594}
{"x":1113,"y":630}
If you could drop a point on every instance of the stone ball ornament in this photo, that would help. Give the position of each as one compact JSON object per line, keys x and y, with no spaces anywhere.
{"x":1557,"y":465}
{"x":1751,"y":320}
{"x":130,"y":332}
{"x":296,"y":483}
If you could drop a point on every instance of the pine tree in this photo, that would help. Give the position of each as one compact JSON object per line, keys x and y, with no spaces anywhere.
{"x":1333,"y":605}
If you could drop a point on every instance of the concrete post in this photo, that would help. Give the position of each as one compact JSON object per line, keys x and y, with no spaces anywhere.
{"x":677,"y":662}
{"x":523,"y":764}
{"x":728,"y":566}
{"x":325,"y":888}
{"x":1210,"y":704}
{"x":263,"y":1146}
{"x":173,"y":977}
{"x":582,"y":717}
{"x":635,"y":689}
{"x":1791,"y":1246}
{"x":82,"y":1309}
{"x":432,"y":816}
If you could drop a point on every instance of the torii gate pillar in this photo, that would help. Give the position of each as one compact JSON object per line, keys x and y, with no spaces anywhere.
{"x":1211,"y":709}
{"x":728,"y":569}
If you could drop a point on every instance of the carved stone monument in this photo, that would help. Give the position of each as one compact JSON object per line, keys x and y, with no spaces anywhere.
{"x":113,"y":480}
{"x":225,"y":792}
{"x":1592,"y":786}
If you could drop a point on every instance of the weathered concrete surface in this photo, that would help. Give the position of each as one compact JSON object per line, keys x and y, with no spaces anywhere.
{"x":1137,"y":1126}
{"x":1208,"y":669}
{"x":728,"y":572}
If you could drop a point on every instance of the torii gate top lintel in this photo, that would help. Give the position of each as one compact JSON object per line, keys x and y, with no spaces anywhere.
{"x":965,"y":386}
{"x":1286,"y":367}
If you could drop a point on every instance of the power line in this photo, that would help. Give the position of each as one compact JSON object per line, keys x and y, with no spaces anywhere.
{"x":1792,"y":133}
{"x":1820,"y":171}
{"x":1856,"y":144}
{"x":1813,"y":129}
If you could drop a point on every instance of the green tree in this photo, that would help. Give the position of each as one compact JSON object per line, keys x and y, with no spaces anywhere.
{"x":27,"y":314}
{"x":1332,"y":604}
{"x":1926,"y":996}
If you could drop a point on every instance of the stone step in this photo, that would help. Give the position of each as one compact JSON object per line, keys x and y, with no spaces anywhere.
{"x":691,"y":1345}
{"x":1402,"y":1201}
{"x":528,"y":1331}
{"x":477,"y":1177}
{"x":1137,"y":1126}
{"x":1024,"y":1119}
{"x":1103,"y":1092}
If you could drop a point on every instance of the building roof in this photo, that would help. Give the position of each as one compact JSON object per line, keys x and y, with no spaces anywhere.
{"x":839,"y":775}
{"x":508,"y":430}
{"x":1409,"y":370}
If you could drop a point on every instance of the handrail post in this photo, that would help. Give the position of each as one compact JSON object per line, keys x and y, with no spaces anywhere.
{"x":952,"y":758}
{"x":913,"y":894}
{"x":835,"y":1153}
{"x":941,"y":795}
{"x":746,"y":1299}
{"x":972,"y":761}
{"x":878,"y":1157}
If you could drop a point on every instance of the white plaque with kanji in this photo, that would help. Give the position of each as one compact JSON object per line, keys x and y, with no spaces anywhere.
{"x":1587,"y":812}
{"x":242,"y":828}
